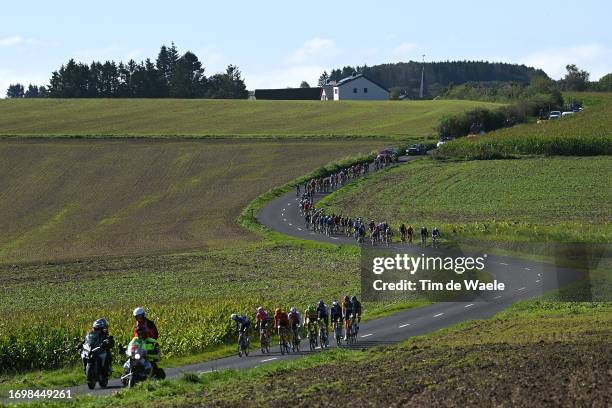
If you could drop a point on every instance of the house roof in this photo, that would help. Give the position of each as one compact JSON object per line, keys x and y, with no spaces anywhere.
{"x":346,"y":80}
{"x":289,"y":93}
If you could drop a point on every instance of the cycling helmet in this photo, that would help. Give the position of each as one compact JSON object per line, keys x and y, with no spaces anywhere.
{"x":260,"y":309}
{"x":293,"y":310}
{"x":139,"y":311}
{"x":321,"y":303}
{"x":335,"y":303}
{"x":234,"y":316}
{"x":354,"y":299}
{"x":278,"y":310}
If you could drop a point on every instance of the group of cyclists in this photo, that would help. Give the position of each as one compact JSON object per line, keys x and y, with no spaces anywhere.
{"x":317,"y":220}
{"x":315,"y":320}
{"x":333,"y":181}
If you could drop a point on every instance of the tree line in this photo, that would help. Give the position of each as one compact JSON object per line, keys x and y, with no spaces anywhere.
{"x":404,"y":78}
{"x":171,"y":76}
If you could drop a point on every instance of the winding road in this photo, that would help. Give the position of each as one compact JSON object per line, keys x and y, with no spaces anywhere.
{"x":523,"y":279}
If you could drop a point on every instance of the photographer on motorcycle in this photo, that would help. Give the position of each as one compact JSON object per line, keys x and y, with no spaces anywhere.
{"x":143,"y":321}
{"x":99,"y":337}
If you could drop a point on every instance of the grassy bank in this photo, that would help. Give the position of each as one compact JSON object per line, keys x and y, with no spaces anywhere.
{"x":527,"y":200}
{"x":230,"y":118}
{"x":587,"y":133}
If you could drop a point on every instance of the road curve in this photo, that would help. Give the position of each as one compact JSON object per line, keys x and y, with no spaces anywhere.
{"x":524,"y":279}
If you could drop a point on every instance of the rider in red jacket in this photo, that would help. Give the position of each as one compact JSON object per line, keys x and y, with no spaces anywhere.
{"x":142,"y":321}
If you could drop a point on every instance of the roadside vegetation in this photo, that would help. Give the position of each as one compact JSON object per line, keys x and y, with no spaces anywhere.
{"x":79,"y":118}
{"x":586,"y":133}
{"x":502,"y":201}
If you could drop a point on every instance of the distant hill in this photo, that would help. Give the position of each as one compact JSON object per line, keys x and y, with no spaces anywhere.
{"x":406,"y":76}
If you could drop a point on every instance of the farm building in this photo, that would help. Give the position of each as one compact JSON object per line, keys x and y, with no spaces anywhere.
{"x":289,"y":94}
{"x":356,"y":87}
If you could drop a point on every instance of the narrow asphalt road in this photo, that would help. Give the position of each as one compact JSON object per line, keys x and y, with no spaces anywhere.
{"x":523,"y":279}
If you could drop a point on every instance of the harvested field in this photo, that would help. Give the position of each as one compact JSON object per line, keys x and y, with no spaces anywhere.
{"x":70,"y":199}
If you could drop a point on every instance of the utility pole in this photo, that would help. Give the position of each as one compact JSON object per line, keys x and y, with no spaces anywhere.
{"x":422,"y":77}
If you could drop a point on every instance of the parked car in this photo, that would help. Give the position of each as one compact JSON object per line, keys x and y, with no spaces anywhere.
{"x":554,"y":115}
{"x":568,"y":113}
{"x":416,"y":149}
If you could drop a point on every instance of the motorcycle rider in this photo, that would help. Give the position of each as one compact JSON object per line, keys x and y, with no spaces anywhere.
{"x":99,"y":336}
{"x":142,"y":341}
{"x":143,"y":321}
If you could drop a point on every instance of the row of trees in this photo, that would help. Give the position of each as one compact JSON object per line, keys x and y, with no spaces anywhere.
{"x":405,"y":77}
{"x":574,"y":80}
{"x":171,"y":76}
{"x":491,"y":80}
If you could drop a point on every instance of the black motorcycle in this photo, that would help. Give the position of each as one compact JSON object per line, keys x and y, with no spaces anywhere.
{"x":96,"y":361}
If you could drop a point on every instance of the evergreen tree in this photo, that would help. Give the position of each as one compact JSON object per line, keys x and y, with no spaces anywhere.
{"x":15,"y":91}
{"x":323,"y":78}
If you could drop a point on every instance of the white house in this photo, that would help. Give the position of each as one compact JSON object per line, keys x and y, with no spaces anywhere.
{"x":356,"y":87}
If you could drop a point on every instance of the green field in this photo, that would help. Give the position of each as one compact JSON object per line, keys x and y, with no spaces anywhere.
{"x":583,"y":134}
{"x":534,"y":200}
{"x":67,"y":199}
{"x":184,"y":117}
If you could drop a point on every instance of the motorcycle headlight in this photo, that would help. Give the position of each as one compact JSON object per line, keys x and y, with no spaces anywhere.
{"x":137,"y":356}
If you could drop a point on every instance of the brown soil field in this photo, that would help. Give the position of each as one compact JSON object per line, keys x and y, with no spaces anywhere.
{"x":67,"y":199}
{"x":545,"y":374}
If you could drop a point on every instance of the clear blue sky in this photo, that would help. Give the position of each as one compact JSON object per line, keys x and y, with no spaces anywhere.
{"x":279,"y":43}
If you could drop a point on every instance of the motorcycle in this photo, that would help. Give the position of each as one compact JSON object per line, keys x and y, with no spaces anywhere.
{"x":97,"y":369}
{"x":138,"y":368}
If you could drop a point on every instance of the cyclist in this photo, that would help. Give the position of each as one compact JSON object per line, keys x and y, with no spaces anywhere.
{"x":410,"y":232}
{"x":281,"y":323}
{"x":243,"y":324}
{"x":323,"y":316}
{"x":295,"y":323}
{"x":435,"y":235}
{"x":261,"y":318}
{"x":310,"y":320}
{"x":403,"y":232}
{"x":347,"y":311}
{"x":424,"y":233}
{"x":336,"y":313}
{"x":356,"y":310}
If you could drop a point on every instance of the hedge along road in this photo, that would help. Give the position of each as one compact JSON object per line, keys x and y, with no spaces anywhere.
{"x":523,"y":280}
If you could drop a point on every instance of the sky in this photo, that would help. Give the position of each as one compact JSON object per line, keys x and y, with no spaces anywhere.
{"x":277,"y":44}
